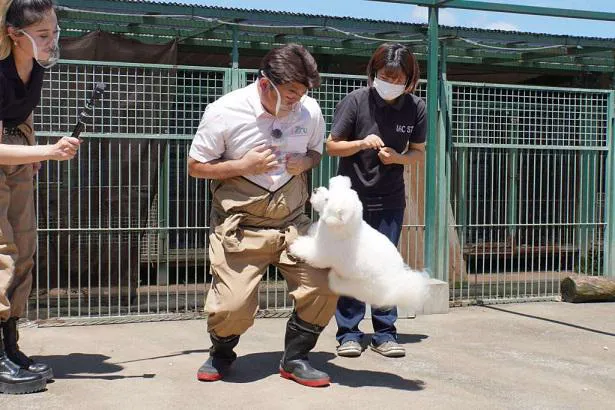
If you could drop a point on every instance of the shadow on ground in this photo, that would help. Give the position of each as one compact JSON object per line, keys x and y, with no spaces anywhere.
{"x":257,"y":366}
{"x":86,"y":366}
{"x":546,"y":319}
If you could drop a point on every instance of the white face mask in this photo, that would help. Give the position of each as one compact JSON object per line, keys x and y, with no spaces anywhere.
{"x":290,"y":110}
{"x":53,"y":50}
{"x":388,"y":91}
{"x":278,"y":103}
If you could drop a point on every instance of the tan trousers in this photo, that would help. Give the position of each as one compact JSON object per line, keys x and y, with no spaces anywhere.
{"x":17,"y":229}
{"x":251,"y":229}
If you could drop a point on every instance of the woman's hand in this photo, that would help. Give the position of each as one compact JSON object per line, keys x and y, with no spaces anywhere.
{"x":372,"y":141}
{"x":389,"y":156}
{"x":65,"y":149}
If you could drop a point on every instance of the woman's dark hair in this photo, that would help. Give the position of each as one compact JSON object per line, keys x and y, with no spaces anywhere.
{"x":395,"y":58}
{"x":20,"y":14}
{"x":290,"y":63}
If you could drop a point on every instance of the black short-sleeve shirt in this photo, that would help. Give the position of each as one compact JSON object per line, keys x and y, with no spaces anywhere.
{"x":364,"y":112}
{"x":18,"y":100}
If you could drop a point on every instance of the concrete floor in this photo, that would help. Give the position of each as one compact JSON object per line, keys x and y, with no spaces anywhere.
{"x":535,"y":355}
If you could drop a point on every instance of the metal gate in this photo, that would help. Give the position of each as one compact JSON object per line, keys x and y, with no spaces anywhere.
{"x":528,"y":188}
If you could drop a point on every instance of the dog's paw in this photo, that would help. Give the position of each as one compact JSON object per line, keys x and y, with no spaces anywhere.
{"x":302,"y":248}
{"x":335,"y":282}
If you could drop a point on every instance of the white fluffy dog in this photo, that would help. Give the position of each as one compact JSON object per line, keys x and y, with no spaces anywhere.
{"x":364,"y":263}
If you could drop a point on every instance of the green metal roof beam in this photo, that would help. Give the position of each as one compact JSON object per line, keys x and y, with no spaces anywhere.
{"x":115,"y":26}
{"x":66,"y":16}
{"x":160,"y":35}
{"x":166,"y":34}
{"x":509,"y":8}
{"x":569,"y":51}
{"x":364,"y":26}
{"x":528,"y":38}
{"x":224,"y":39}
{"x":456,"y":47}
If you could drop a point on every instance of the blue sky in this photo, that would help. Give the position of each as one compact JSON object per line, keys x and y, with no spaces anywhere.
{"x":408,"y":13}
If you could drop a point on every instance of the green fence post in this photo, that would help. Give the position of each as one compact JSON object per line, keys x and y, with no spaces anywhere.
{"x":235,"y":81}
{"x":435,"y":183}
{"x":163,"y":218}
{"x":609,"y":237}
{"x":587,"y":199}
{"x":444,"y":168}
{"x":513,"y":178}
{"x":461,"y":175}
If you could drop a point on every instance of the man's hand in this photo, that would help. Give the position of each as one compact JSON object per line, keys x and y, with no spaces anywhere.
{"x":65,"y":149}
{"x":388,"y":156}
{"x":296,"y":164}
{"x":259,"y":160}
{"x":372,"y":142}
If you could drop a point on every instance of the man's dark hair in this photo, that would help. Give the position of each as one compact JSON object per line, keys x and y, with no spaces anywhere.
{"x":290,"y":63}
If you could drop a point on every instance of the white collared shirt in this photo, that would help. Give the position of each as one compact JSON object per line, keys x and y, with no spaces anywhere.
{"x":237,"y":122}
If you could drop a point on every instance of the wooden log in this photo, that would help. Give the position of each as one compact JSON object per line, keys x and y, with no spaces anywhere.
{"x":579,"y":288}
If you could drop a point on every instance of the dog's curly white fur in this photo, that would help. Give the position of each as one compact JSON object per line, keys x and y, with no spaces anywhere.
{"x":364,"y":263}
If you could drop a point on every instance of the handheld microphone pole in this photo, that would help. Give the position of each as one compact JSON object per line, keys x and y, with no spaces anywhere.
{"x":86,"y":112}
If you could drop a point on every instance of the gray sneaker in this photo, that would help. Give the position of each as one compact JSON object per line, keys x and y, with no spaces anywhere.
{"x":349,"y":348}
{"x":389,"y":349}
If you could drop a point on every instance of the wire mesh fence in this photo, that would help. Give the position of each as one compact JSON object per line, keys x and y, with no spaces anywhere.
{"x":123,"y":229}
{"x":528,"y":188}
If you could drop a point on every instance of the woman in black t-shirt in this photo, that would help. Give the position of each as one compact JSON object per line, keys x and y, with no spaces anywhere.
{"x":376,"y":131}
{"x":28,"y":44}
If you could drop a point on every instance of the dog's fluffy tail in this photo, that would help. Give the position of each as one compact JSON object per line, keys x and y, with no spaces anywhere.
{"x":409,"y":289}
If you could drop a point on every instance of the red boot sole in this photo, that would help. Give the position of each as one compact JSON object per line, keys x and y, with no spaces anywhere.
{"x":304,"y":382}
{"x":208,"y":377}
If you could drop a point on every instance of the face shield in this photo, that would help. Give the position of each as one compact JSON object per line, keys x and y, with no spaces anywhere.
{"x":46,"y":48}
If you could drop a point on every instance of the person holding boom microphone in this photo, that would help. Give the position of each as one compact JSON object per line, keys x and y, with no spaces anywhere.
{"x":29,"y":36}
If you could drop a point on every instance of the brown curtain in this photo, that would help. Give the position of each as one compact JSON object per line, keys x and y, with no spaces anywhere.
{"x":102,"y":46}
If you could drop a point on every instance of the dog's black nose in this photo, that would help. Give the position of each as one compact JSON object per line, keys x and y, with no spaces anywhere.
{"x":314,"y":190}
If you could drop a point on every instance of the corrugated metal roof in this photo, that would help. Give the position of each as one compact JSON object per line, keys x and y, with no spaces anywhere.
{"x":258,"y":29}
{"x":345,"y":18}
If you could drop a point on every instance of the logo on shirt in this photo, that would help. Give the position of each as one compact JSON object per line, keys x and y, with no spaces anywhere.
{"x":406,"y":129}
{"x":299,"y":130}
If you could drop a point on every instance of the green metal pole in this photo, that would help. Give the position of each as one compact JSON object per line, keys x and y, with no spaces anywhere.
{"x":587,"y":199}
{"x":513,"y":181}
{"x":432,"y":252}
{"x":444,"y":165}
{"x":609,"y":237}
{"x":235,"y":82}
{"x":163,"y":217}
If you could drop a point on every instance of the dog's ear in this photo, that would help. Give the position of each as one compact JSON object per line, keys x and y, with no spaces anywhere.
{"x":319,"y":198}
{"x":321,"y":192}
{"x":340,"y":181}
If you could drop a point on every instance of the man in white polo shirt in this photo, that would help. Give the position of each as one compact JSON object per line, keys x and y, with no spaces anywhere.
{"x":256,"y":144}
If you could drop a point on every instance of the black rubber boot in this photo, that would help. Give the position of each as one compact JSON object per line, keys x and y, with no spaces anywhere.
{"x":14,"y":379}
{"x":11,"y":348}
{"x":221,"y":356}
{"x":300,"y":338}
